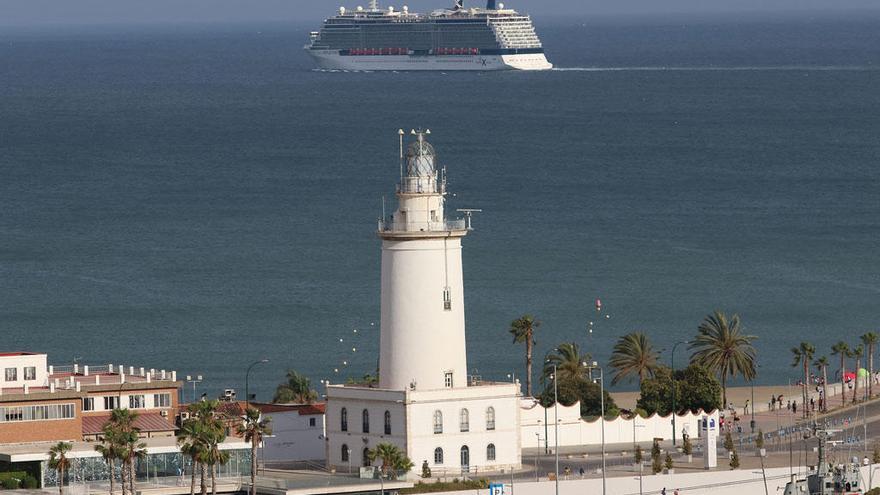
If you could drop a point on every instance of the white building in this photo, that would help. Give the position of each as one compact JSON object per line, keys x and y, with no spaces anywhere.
{"x":22,"y":369}
{"x":297,"y":432}
{"x":425,"y":402}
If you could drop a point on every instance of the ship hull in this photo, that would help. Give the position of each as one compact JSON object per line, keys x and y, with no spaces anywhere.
{"x":332,"y":60}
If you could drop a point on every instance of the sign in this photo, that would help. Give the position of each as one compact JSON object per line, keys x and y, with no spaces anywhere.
{"x":496,"y":489}
{"x":709,"y":431}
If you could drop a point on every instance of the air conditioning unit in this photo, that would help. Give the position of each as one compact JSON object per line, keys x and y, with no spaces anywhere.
{"x":184,"y":415}
{"x":163,"y":413}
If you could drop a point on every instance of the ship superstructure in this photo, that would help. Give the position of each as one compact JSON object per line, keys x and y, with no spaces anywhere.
{"x":458,"y":38}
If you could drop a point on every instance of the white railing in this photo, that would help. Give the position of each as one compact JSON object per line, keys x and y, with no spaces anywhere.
{"x":447,"y":226}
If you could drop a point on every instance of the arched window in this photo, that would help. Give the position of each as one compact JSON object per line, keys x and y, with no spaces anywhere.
{"x":343,"y":419}
{"x":366,"y":460}
{"x":366,"y":418}
{"x":465,"y":457}
{"x":438,"y":456}
{"x":490,"y":418}
{"x":346,"y":453}
{"x":387,"y":422}
{"x":464,"y":420}
{"x":490,"y":452}
{"x":438,"y":421}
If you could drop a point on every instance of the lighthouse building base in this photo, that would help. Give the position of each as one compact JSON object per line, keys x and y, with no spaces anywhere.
{"x":472,"y":429}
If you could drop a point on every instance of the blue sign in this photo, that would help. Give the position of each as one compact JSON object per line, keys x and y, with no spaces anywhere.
{"x":496,"y":489}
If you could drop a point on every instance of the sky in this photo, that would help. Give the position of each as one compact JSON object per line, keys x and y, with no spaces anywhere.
{"x":35,"y":12}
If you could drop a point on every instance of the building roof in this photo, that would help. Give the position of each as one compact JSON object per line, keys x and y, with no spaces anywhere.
{"x":145,"y":422}
{"x":302,"y":409}
{"x":8,"y":354}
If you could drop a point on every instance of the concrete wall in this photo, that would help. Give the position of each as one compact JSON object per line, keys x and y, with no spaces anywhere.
{"x":574,"y":431}
{"x":294,"y":438}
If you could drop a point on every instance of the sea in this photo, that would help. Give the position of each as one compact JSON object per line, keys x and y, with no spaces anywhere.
{"x":197,"y":197}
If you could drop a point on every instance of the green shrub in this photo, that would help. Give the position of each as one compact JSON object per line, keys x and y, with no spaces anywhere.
{"x":667,"y":462}
{"x":447,"y":486}
{"x":30,"y":482}
{"x":10,"y":483}
{"x":759,"y":440}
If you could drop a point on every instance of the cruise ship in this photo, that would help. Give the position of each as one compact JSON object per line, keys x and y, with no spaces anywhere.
{"x":457,"y":38}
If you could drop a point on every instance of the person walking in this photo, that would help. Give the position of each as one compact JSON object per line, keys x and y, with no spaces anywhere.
{"x":794,"y":407}
{"x":772,"y":402}
{"x":746,"y":408}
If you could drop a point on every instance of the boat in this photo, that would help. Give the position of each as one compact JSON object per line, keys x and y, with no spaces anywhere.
{"x":451,"y":39}
{"x":828,"y":478}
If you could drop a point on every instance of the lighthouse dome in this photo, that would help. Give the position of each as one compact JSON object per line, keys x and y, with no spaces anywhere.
{"x":420,"y":158}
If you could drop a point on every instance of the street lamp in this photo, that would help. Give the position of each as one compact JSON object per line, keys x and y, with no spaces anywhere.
{"x":601,"y":381}
{"x":247,"y":390}
{"x":672,"y":362}
{"x":194,"y":381}
{"x":556,"y":425}
{"x":538,"y":435}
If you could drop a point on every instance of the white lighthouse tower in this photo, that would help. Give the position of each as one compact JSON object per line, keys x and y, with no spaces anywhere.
{"x":425,"y":402}
{"x":422,"y":287}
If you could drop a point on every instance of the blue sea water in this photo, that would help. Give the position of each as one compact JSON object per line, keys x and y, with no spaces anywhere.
{"x":195,"y":197}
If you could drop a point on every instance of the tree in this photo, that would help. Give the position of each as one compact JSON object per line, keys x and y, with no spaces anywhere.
{"x":731,"y":449}
{"x":211,"y":433}
{"x":842,"y":350}
{"x":870,"y":341}
{"x":124,"y":436}
{"x":803,"y":354}
{"x":580,"y":390}
{"x":109,"y":449}
{"x":821,"y":365}
{"x":656,"y":465}
{"x":523,"y":331}
{"x":569,"y":363}
{"x":667,"y":461}
{"x":856,"y":353}
{"x":687,"y":447}
{"x":722,"y":348}
{"x":296,"y":390}
{"x":132,"y":450}
{"x":633,"y":356}
{"x":638,"y":456}
{"x":59,"y":462}
{"x":393,"y":459}
{"x":426,"y":470}
{"x":759,"y":440}
{"x":695,"y":389}
{"x":189,"y":439}
{"x":253,"y":428}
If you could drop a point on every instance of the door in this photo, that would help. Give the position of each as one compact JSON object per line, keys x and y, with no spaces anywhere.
{"x":465,"y":458}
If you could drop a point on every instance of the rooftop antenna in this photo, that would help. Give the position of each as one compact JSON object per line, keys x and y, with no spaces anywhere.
{"x":467,"y":216}
{"x":374,"y":5}
{"x":400,"y":134}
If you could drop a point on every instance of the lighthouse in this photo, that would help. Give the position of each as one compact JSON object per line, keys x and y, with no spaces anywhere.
{"x":425,"y":402}
{"x":422,"y":305}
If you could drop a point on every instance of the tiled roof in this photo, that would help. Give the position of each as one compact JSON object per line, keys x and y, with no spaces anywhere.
{"x":145,"y":422}
{"x":302,"y":409}
{"x":7,"y":354}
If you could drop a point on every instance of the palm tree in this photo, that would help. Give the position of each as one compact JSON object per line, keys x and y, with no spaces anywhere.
{"x":253,"y":428}
{"x":802,"y":356}
{"x":393,"y":459}
{"x":189,"y":438}
{"x":842,"y":350}
{"x":856,"y":353}
{"x":132,"y":450}
{"x":59,"y":462}
{"x":633,"y":356}
{"x":297,"y":390}
{"x":523,"y":331}
{"x":822,"y":366}
{"x":211,"y":432}
{"x":213,"y":455}
{"x":870,"y":340}
{"x":109,"y":450}
{"x":721,"y":347}
{"x":125,"y":438}
{"x":571,"y":365}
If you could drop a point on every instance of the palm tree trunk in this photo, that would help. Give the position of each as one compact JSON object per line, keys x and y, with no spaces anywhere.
{"x":856,"y":389}
{"x":112,"y":475}
{"x":214,"y":479}
{"x":123,"y":477}
{"x":871,"y":370}
{"x":842,"y":381}
{"x":529,"y":364}
{"x":254,"y":465}
{"x":192,"y":485}
{"x":804,"y":390}
{"x":204,"y":481}
{"x":61,"y":481}
{"x":132,"y":477}
{"x":825,"y":387}
{"x":723,"y":391}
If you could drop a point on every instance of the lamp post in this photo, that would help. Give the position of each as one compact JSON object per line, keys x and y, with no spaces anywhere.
{"x":601,"y":381}
{"x":194,"y":381}
{"x":538,"y":435}
{"x":672,"y":362}
{"x":247,"y":390}
{"x":555,"y":426}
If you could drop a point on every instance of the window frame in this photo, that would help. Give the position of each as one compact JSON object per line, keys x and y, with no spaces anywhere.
{"x":30,"y":373}
{"x":464,"y":420}
{"x":10,"y":372}
{"x":346,"y":453}
{"x":490,"y":418}
{"x":490,"y":452}
{"x":137,"y":401}
{"x":438,"y":422}
{"x":160,"y":402}
{"x":438,"y":454}
{"x":365,"y":421}
{"x":343,"y":419}
{"x":387,"y":422}
{"x":88,"y":403}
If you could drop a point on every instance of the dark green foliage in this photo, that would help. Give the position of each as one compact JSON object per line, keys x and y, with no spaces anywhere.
{"x":454,"y":485}
{"x":695,"y":388}
{"x":580,"y":389}
{"x":656,"y":465}
{"x":638,"y":456}
{"x":734,"y":460}
{"x":667,"y":462}
{"x":759,"y":440}
{"x":426,"y":470}
{"x":686,"y":447}
{"x":728,"y":442}
{"x":9,"y":483}
{"x":30,"y":482}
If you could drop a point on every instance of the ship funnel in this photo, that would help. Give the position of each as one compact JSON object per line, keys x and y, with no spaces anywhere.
{"x":490,"y":4}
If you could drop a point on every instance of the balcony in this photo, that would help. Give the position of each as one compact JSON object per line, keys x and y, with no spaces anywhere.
{"x":420,"y":227}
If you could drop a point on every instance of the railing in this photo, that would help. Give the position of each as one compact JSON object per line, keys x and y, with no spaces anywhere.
{"x":446,"y":226}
